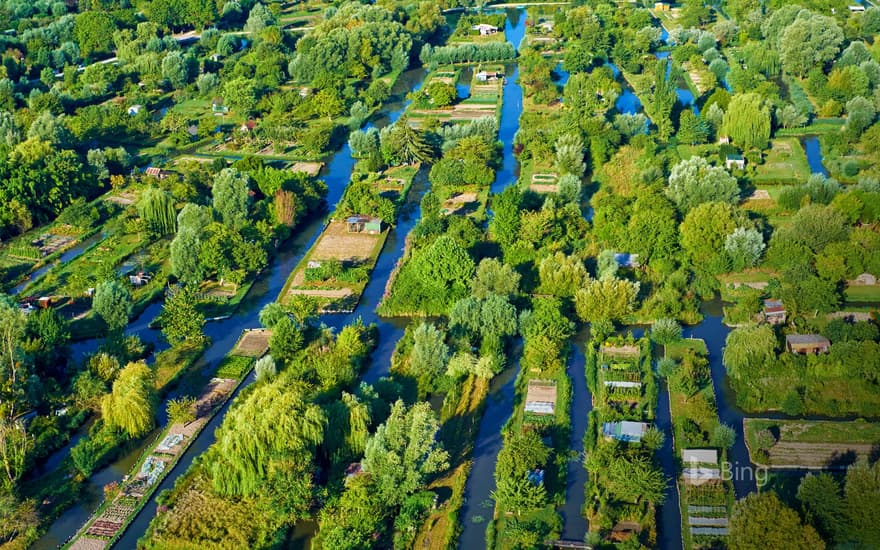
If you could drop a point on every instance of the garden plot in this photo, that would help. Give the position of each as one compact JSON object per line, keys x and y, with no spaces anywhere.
{"x":786,"y":162}
{"x":460,"y":204}
{"x":337,"y":269}
{"x":253,"y":343}
{"x":810,"y":444}
{"x":310,"y":168}
{"x":111,"y":518}
{"x":544,"y":183}
{"x":337,"y":243}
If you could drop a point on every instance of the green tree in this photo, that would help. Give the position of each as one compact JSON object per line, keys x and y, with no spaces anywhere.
{"x":404,"y":451}
{"x":723,"y":436}
{"x":823,"y":505}
{"x":271,"y":314}
{"x":862,"y":506}
{"x":283,"y":429}
{"x":13,"y":371}
{"x":747,"y":121}
{"x":230,"y":195}
{"x":748,"y":349}
{"x":94,"y":32}
{"x":15,"y":444}
{"x":181,"y":321}
{"x":185,"y":249}
{"x":175,"y":69}
{"x":181,"y":410}
{"x":241,"y":95}
{"x":810,"y":41}
{"x":156,"y":208}
{"x":286,"y":340}
{"x":465,"y":364}
{"x":505,"y":223}
{"x":494,"y":277}
{"x":430,"y":353}
{"x":704,"y":231}
{"x":561,"y":275}
{"x":762,"y":521}
{"x":112,"y":302}
{"x":131,"y":406}
{"x":691,"y":128}
{"x":694,"y":181}
{"x":744,"y":246}
{"x":662,"y":99}
{"x":606,"y":299}
{"x":606,"y":264}
{"x":265,"y":368}
{"x":403,"y":144}
{"x":442,"y":94}
{"x":860,"y":114}
{"x":666,"y":331}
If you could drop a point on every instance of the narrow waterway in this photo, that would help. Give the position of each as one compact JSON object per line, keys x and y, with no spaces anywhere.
{"x":478,"y":507}
{"x":65,"y":257}
{"x":574,"y":522}
{"x":713,"y":331}
{"x":814,"y":155}
{"x":223,"y":336}
{"x":668,"y":513}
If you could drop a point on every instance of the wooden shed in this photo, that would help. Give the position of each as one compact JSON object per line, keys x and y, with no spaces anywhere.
{"x":807,"y":343}
{"x":364,"y":224}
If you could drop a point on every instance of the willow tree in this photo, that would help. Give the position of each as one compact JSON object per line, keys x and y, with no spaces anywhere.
{"x":131,"y":406}
{"x":282,"y":425}
{"x":112,"y":302}
{"x":747,"y":121}
{"x":156,"y":208}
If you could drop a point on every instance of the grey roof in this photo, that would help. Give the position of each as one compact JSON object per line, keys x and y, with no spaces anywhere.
{"x":807,"y":339}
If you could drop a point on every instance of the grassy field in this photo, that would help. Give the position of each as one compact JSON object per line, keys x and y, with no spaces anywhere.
{"x":677,"y":350}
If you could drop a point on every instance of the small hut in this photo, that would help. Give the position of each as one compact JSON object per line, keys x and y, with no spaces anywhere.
{"x":625,"y":430}
{"x":774,"y":312}
{"x":485,"y":29}
{"x":807,"y":343}
{"x":488,"y":76}
{"x":735,"y":161}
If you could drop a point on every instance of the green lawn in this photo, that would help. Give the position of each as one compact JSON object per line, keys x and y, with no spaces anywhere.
{"x":863,"y":293}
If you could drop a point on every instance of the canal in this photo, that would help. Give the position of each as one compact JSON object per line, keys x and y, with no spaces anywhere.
{"x":478,"y":508}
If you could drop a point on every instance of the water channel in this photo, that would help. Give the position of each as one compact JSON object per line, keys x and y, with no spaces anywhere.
{"x":814,"y":155}
{"x":478,"y":507}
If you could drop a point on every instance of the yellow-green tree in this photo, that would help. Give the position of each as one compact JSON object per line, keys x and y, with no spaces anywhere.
{"x":131,"y":406}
